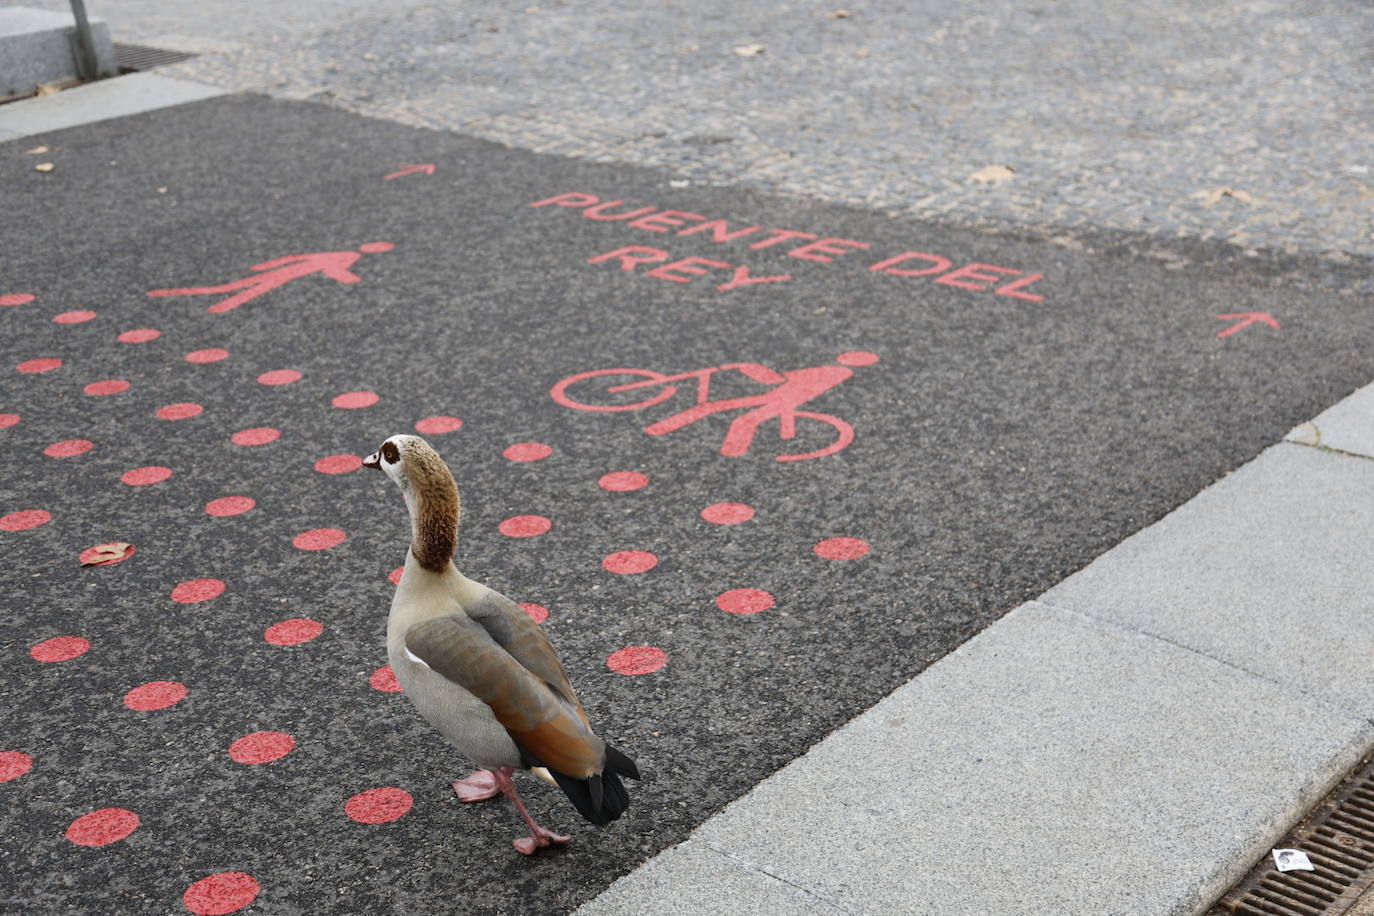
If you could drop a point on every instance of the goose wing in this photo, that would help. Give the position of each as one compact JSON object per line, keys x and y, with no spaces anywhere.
{"x":513,"y":630}
{"x":549,"y":728}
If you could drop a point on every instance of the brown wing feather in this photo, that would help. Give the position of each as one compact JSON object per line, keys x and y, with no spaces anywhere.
{"x":525,"y":640}
{"x":542,"y":722}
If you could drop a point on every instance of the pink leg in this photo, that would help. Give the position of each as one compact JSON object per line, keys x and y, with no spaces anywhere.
{"x":479,"y":785}
{"x":538,"y":837}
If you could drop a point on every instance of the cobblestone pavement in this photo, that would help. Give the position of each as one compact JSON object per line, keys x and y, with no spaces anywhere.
{"x":1247,"y":123}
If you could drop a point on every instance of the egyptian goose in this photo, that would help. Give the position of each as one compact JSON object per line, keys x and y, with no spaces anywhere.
{"x":480,"y":670}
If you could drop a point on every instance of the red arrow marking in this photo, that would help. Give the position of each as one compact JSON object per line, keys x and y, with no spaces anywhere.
{"x":1244,"y":320}
{"x":410,"y":170}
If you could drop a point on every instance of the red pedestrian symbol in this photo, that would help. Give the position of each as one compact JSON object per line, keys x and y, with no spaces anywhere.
{"x":270,"y":275}
{"x":596,"y":390}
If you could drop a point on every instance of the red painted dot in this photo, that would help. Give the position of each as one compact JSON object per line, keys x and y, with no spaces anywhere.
{"x":379,"y":806}
{"x":433,"y":426}
{"x":636,"y":660}
{"x":155,"y":695}
{"x":384,"y":679}
{"x":629,"y":562}
{"x":221,"y":893}
{"x":75,"y":316}
{"x":538,"y":613}
{"x":194,"y":590}
{"x":319,"y":539}
{"x":180,"y":411}
{"x":293,"y":632}
{"x":395,"y":575}
{"x":226,"y":506}
{"x":258,"y":435}
{"x":68,"y":448}
{"x":842,"y":548}
{"x":103,"y":554}
{"x":621,"y":481}
{"x":744,"y":601}
{"x":525,"y":526}
{"x":142,"y":477}
{"x":24,"y":519}
{"x":527,"y":451}
{"x":727,"y":513}
{"x":338,"y":464}
{"x":14,"y":764}
{"x":279,"y":377}
{"x":210,"y":355}
{"x":262,"y":747}
{"x":139,"y":335}
{"x":103,"y":827}
{"x":60,"y":649}
{"x":46,"y":364}
{"x":856,"y":358}
{"x":355,"y":399}
{"x":9,"y":419}
{"x":17,"y":298}
{"x":107,"y":386}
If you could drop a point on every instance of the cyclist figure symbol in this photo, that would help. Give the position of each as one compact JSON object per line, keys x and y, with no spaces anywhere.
{"x":790,"y":390}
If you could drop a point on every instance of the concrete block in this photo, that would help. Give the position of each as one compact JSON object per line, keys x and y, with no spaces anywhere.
{"x":1268,"y":569}
{"x":131,"y":94}
{"x":1053,"y":764}
{"x":39,"y":46}
{"x":1348,"y":426}
{"x":691,"y":879}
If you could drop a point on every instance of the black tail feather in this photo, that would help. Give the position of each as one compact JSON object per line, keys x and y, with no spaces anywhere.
{"x":600,"y":799}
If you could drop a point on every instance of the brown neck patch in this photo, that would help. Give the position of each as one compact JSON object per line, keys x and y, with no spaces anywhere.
{"x":435,"y":513}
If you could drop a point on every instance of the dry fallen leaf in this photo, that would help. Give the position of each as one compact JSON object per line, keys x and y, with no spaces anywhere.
{"x":993,"y":174}
{"x":36,"y":150}
{"x":862,"y":52}
{"x":44,"y":167}
{"x":101,"y":554}
{"x":1212,"y":197}
{"x":840,"y":14}
{"x":49,"y":88}
{"x":749,"y":50}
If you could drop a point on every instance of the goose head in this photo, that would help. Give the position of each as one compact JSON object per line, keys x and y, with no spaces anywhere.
{"x":430,"y":494}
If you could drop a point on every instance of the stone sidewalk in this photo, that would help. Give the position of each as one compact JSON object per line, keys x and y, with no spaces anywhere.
{"x":1130,"y":743}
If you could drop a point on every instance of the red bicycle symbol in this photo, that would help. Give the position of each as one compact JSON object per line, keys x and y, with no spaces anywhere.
{"x":596,"y":390}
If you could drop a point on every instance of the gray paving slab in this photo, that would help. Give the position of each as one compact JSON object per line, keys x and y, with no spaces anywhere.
{"x":692,"y":878}
{"x":1053,"y":764}
{"x":38,"y":46}
{"x":1268,"y":569}
{"x":99,"y":101}
{"x":1347,"y":426}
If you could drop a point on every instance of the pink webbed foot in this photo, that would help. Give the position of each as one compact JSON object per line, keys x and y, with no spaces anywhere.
{"x":479,"y":785}
{"x":538,"y":838}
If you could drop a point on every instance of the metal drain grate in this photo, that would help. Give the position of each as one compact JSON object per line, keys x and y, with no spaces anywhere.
{"x":132,"y":58}
{"x":1338,"y":836}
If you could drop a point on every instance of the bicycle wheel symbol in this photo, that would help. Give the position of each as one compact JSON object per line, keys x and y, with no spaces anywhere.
{"x":605,"y":390}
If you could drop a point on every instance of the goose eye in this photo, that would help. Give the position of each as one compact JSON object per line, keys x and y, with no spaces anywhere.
{"x":390,"y":452}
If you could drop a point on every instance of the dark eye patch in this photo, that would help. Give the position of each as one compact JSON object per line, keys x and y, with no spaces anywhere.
{"x":390,"y":452}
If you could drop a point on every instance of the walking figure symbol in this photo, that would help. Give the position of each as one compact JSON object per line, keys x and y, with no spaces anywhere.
{"x":273,"y":274}
{"x":595,"y":391}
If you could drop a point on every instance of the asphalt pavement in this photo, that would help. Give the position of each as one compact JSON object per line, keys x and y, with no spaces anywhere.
{"x":858,"y":440}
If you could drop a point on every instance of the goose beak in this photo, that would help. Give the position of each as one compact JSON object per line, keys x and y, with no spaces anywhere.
{"x":373,"y":461}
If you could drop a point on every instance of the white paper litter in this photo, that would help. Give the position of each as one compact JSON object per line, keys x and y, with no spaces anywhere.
{"x":1292,"y":860}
